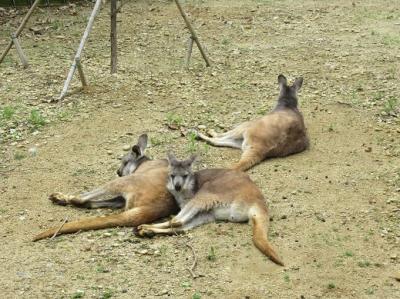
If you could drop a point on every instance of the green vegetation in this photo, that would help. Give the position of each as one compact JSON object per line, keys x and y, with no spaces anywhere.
{"x":211,"y":254}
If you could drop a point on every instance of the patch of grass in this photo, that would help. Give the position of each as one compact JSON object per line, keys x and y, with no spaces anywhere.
{"x":364,"y":264}
{"x":286,"y":278}
{"x":192,"y":144}
{"x":225,"y":42}
{"x":174,"y":119}
{"x":36,"y":119}
{"x":390,"y":40}
{"x":19,"y":156}
{"x":196,"y":295}
{"x":101,"y":269}
{"x":78,"y":294}
{"x":348,"y":253}
{"x":7,"y":112}
{"x":107,"y":294}
{"x":211,"y":255}
{"x":331,"y":286}
{"x":369,"y":291}
{"x":390,"y":105}
{"x":155,"y":141}
{"x":186,"y":285}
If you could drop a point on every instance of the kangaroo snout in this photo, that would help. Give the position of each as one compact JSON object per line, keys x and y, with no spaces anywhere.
{"x":178,"y":187}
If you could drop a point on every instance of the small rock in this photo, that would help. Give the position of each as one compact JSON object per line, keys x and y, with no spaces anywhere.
{"x":201,"y":127}
{"x":126,"y":147}
{"x":32,"y":151}
{"x":368,"y":149}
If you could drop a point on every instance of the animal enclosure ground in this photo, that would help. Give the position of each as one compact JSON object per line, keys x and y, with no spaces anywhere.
{"x":335,"y":208}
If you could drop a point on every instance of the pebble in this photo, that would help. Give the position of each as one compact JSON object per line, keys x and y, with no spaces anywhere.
{"x":32,"y":151}
{"x":201,"y":127}
{"x":126,"y":147}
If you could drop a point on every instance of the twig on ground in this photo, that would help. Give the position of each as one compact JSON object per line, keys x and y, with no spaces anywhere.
{"x":191,"y":269}
{"x":58,"y":230}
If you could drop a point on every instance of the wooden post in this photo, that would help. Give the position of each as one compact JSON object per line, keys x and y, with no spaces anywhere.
{"x":19,"y":51}
{"x":113,"y":36}
{"x":80,"y":49}
{"x":189,"y":51}
{"x":20,"y":28}
{"x":192,"y":32}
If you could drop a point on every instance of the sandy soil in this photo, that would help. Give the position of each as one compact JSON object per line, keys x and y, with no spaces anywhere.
{"x":335,"y":208}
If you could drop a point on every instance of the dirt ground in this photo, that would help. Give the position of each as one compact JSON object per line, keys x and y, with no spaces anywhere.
{"x":335,"y":208}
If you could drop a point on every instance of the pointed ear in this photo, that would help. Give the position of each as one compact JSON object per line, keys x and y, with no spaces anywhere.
{"x":298,"y":83}
{"x":282,"y":81}
{"x":142,"y":143}
{"x":171,"y":159}
{"x":189,"y":162}
{"x":136,"y":150}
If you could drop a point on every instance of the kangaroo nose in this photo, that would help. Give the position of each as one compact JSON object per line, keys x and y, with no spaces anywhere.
{"x":119,"y":172}
{"x":178,"y":187}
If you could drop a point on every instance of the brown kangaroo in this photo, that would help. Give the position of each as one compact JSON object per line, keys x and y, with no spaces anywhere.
{"x":214,"y":194}
{"x":278,"y":134}
{"x":140,"y":190}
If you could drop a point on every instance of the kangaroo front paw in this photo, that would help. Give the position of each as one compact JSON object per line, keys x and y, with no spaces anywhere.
{"x":58,"y":198}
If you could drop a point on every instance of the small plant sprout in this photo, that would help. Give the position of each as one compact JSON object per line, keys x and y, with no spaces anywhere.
{"x":211,"y":254}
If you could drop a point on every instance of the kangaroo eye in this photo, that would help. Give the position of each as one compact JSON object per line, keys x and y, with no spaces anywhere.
{"x":172,"y":176}
{"x":184,"y":177}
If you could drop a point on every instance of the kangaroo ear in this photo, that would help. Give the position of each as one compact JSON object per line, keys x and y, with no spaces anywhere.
{"x":142,"y":143}
{"x":298,"y":83}
{"x":282,"y":81}
{"x":171,"y":159}
{"x":189,"y":162}
{"x":136,"y":150}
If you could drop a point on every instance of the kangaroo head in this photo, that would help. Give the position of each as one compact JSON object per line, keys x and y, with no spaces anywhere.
{"x":181,"y":176}
{"x":131,"y":161}
{"x":288,"y":94}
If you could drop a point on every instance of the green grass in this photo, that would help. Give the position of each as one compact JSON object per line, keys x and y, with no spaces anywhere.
{"x":331,"y":286}
{"x":192,"y":144}
{"x":364,"y":264}
{"x":36,"y":119}
{"x":348,"y":253}
{"x":19,"y":156}
{"x":174,"y":119}
{"x":78,"y":294}
{"x":7,"y":112}
{"x":107,"y":294}
{"x":211,"y":256}
{"x":286,"y":278}
{"x":390,"y":105}
{"x":196,"y":295}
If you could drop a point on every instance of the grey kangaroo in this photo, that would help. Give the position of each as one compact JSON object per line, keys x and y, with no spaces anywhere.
{"x":214,"y":194}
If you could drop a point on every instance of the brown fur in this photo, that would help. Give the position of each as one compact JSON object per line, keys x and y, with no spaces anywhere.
{"x":218,"y":194}
{"x":280,"y":133}
{"x":146,"y":199}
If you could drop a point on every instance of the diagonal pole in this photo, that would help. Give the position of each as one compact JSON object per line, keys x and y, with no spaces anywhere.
{"x":192,"y":32}
{"x":20,"y":28}
{"x":78,"y":54}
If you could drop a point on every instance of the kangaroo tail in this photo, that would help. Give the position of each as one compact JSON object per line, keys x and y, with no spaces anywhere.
{"x":133,"y":217}
{"x":259,"y":220}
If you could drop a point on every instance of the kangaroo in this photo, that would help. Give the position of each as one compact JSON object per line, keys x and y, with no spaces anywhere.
{"x":140,"y":189}
{"x":214,"y":194}
{"x":278,"y":134}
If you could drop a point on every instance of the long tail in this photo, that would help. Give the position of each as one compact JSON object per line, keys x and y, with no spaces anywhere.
{"x":260,"y":222}
{"x":133,"y":217}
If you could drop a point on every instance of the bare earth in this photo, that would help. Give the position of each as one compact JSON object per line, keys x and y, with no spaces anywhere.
{"x":335,"y":208}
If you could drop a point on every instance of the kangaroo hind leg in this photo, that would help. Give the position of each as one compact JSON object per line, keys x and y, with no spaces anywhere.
{"x":98,"y":198}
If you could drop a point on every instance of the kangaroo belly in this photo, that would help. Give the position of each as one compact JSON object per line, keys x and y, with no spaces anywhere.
{"x":231,"y":213}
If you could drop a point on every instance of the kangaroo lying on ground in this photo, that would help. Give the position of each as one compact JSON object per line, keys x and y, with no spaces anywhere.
{"x":140,"y":190}
{"x":280,"y":133}
{"x":214,"y":194}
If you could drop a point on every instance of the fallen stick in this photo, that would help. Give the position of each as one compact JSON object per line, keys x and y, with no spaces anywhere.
{"x":191,"y":269}
{"x":58,"y":230}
